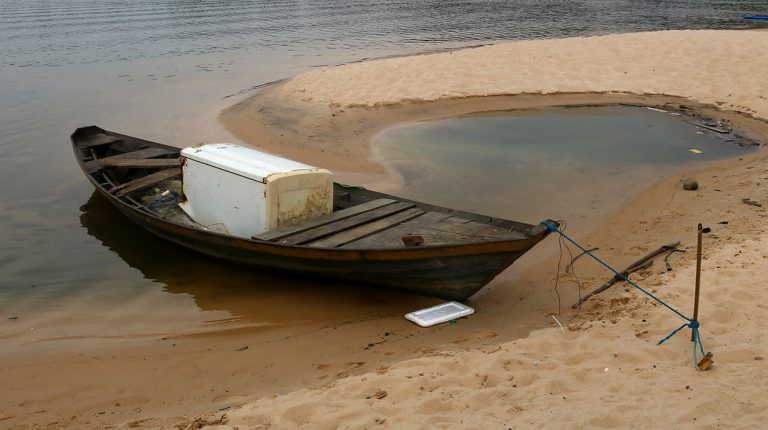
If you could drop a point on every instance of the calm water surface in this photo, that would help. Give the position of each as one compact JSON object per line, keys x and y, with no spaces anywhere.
{"x":579,"y":164}
{"x":162,"y":70}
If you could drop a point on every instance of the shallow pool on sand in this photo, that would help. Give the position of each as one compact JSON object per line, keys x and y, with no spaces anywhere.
{"x":579,"y":164}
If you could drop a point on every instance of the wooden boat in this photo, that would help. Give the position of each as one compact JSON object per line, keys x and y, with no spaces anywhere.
{"x":370,"y":237}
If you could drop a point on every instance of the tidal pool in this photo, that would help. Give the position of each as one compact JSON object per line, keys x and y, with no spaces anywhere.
{"x":579,"y":164}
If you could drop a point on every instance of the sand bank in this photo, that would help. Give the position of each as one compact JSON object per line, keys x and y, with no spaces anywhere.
{"x":604,"y":370}
{"x":717,"y":67}
{"x":328,"y":115}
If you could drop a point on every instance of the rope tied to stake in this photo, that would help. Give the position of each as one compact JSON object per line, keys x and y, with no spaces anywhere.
{"x":691,"y":323}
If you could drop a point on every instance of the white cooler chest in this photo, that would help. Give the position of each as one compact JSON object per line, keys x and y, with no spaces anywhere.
{"x":245,"y":192}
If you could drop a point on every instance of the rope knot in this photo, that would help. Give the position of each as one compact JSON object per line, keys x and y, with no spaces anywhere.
{"x":693,"y":324}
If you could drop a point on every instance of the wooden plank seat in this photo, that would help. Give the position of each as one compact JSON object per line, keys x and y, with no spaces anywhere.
{"x":98,"y":140}
{"x":94,"y":165}
{"x":146,"y":163}
{"x":144,"y":182}
{"x":322,"y":231}
{"x":281,"y":233}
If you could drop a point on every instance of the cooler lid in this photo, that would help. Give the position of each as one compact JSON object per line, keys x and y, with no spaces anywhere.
{"x":242,"y":161}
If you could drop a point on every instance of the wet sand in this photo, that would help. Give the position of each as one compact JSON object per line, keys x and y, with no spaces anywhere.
{"x":480,"y":364}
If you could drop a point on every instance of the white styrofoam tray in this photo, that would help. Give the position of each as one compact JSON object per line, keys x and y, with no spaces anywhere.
{"x":439,"y":314}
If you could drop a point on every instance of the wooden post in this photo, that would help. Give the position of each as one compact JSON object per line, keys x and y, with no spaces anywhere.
{"x":698,"y":282}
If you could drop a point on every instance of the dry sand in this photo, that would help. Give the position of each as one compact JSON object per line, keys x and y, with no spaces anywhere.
{"x":717,"y":67}
{"x":602,"y":371}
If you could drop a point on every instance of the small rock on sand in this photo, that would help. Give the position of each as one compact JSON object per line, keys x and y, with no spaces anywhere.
{"x":690,"y":184}
{"x":379,"y":394}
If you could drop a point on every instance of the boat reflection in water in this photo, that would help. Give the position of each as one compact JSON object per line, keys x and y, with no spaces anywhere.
{"x":251,"y":296}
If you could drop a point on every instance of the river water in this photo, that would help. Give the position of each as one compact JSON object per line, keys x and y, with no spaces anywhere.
{"x":162,"y":70}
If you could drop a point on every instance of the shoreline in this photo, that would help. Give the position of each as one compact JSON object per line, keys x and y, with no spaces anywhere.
{"x":509,"y":363}
{"x":344,"y":144}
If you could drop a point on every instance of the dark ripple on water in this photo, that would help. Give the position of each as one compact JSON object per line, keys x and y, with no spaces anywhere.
{"x":52,"y":33}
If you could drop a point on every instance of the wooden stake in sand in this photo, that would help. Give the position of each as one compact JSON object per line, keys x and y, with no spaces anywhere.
{"x":706,"y":362}
{"x":698,"y":282}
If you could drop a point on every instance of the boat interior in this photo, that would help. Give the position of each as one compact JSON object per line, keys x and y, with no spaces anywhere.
{"x":147,"y":176}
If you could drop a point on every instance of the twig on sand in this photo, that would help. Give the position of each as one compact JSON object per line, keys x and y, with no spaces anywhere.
{"x":568,"y":267}
{"x":666,"y":259}
{"x":372,"y":344}
{"x":558,"y":323}
{"x":638,"y":265}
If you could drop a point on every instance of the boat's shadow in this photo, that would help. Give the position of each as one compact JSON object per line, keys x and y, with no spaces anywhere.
{"x":246,"y":293}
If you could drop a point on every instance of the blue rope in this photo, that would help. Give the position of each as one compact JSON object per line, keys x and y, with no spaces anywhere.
{"x":692,"y":323}
{"x":697,"y":341}
{"x":675,"y":332}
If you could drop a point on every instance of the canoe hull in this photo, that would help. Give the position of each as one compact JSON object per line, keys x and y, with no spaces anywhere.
{"x":450,"y":271}
{"x":448,"y":275}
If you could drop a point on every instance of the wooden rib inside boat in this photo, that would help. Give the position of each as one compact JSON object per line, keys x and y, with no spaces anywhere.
{"x":369,"y":237}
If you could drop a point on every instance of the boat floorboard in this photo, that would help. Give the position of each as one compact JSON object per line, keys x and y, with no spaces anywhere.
{"x":436,"y":229}
{"x":145,"y":182}
{"x":345,"y":224}
{"x":368,"y":229}
{"x":281,"y":233}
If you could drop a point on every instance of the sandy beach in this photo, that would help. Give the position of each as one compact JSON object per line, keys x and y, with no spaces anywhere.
{"x":603,"y":370}
{"x":510,"y":365}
